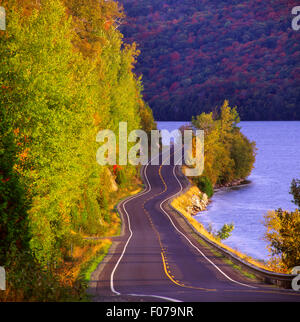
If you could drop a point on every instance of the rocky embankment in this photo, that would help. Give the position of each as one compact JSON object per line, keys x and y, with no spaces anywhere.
{"x":198,"y":202}
{"x":233,"y":183}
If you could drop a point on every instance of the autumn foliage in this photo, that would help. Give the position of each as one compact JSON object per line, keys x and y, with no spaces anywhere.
{"x":228,"y":154}
{"x":65,"y":74}
{"x":196,"y":53}
{"x":283,"y":234}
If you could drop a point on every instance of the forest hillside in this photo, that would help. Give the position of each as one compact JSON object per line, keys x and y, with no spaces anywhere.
{"x":196,"y":53}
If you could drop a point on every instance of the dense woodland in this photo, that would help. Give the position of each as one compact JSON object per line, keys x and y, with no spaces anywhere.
{"x":65,"y":74}
{"x":196,"y":53}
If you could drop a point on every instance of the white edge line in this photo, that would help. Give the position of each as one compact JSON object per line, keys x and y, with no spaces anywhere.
{"x":149,"y":188}
{"x":131,"y":233}
{"x":212,"y":263}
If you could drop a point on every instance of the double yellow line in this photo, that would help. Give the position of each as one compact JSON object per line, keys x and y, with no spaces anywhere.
{"x":165,"y":263}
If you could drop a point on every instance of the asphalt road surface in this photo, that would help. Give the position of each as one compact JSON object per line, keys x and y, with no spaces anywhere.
{"x":157,"y":258}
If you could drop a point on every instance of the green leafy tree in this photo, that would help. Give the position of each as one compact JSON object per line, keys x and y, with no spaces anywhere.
{"x":228,"y":154}
{"x":283,"y":234}
{"x":242,"y":151}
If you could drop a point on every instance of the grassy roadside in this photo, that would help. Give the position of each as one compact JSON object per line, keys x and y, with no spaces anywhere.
{"x":68,"y":280}
{"x":225,"y":259}
{"x":90,"y":266}
{"x":182,"y":202}
{"x":99,"y":246}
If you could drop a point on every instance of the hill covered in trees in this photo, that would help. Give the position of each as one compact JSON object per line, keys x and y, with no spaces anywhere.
{"x":196,"y":53}
{"x":65,"y":74}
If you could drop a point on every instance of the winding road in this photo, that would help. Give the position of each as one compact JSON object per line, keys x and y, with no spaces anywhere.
{"x":158,"y":258}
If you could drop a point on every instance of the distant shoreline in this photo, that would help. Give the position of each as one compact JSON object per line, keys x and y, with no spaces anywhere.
{"x":233,"y":184}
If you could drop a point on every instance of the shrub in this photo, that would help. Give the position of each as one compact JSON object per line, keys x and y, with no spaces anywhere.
{"x":13,"y":203}
{"x":205,"y":185}
{"x":121,"y":178}
{"x":225,"y":231}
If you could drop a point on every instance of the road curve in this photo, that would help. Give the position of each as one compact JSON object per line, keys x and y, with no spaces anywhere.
{"x":157,"y":257}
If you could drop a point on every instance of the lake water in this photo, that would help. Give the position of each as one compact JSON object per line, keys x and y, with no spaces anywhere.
{"x":277,"y":163}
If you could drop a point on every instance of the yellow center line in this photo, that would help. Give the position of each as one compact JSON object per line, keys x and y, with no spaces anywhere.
{"x":171,"y":277}
{"x":164,"y":249}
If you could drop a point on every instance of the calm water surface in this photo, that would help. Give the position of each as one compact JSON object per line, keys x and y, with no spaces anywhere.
{"x":277,"y":163}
